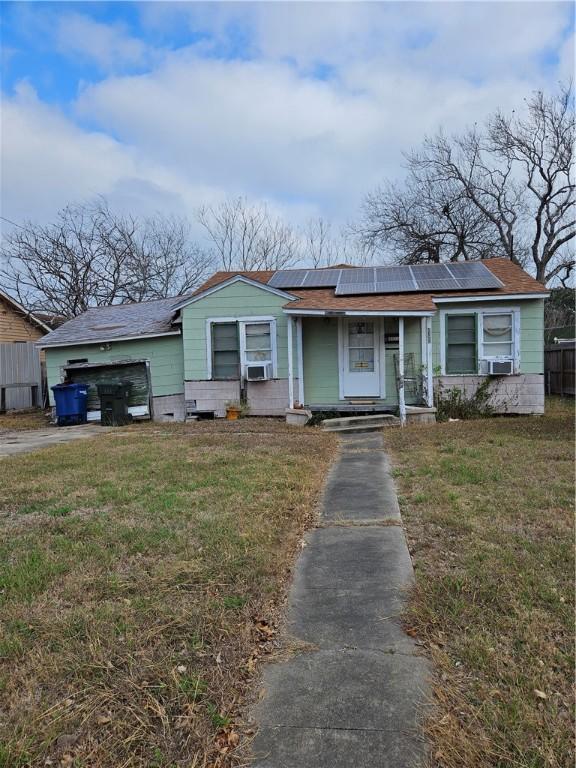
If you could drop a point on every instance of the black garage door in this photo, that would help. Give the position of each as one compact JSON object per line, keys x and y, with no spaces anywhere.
{"x":135,"y":373}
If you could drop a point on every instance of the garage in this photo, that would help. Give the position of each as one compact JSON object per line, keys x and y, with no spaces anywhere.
{"x":135,"y":372}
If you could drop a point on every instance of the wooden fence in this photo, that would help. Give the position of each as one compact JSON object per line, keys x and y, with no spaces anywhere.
{"x":20,"y":376}
{"x":559,"y":363}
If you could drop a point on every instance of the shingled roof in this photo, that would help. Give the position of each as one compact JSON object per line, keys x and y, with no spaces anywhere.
{"x":119,"y":321}
{"x":515,"y":281}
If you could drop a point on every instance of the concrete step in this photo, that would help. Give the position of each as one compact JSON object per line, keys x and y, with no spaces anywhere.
{"x":360,"y":423}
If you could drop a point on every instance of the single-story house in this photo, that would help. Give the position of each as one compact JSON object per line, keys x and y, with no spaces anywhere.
{"x":346,"y":339}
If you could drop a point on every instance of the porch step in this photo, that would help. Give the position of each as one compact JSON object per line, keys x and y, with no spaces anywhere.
{"x":361,"y":423}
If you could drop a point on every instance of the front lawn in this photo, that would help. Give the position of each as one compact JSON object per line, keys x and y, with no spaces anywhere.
{"x":488,"y":507}
{"x":140,"y":576}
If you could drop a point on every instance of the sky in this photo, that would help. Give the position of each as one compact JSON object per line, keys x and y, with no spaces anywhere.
{"x":163,"y":107}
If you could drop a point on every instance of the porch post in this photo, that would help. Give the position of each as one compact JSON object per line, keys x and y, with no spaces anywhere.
{"x":401,"y":401}
{"x":429,"y":371}
{"x":290,"y":364}
{"x":426,"y":339}
{"x":300,"y":354}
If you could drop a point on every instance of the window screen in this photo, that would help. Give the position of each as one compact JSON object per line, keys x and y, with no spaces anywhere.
{"x":461,"y":344}
{"x":258,"y":343}
{"x":225,"y":351}
{"x":497,"y":335}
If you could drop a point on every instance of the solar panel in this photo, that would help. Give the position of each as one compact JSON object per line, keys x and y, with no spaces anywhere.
{"x":457,"y":276}
{"x":355,"y":289}
{"x":356,"y":276}
{"x":289,"y":278}
{"x":430,"y":272}
{"x":322,"y":278}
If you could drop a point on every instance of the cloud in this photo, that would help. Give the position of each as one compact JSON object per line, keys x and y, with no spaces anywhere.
{"x":109,"y":46}
{"x":306,"y":106}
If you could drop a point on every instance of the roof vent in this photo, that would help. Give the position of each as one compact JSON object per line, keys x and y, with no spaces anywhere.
{"x":106,"y":327}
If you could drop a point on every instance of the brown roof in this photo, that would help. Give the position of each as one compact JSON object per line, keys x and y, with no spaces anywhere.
{"x":261,"y":276}
{"x":514,"y":278}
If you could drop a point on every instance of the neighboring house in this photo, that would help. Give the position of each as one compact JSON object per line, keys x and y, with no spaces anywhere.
{"x":339,"y":339}
{"x":17,"y":324}
{"x":20,"y":367}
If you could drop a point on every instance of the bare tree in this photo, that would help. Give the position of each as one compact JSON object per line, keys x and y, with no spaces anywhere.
{"x":505,"y":189}
{"x":542,"y":145}
{"x":166,"y":261}
{"x":91,"y":257}
{"x":320,"y":248}
{"x":247,"y":236}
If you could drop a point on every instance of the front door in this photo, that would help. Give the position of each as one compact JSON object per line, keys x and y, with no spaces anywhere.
{"x":361,"y":353}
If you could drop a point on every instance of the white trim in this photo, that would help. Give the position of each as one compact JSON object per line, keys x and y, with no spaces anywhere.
{"x":231,"y":281}
{"x":290,"y":365}
{"x":242,"y":322}
{"x":300,"y":356}
{"x":357,"y":313}
{"x":26,"y":312}
{"x":401,"y":400}
{"x":479,"y":312}
{"x":507,"y":297}
{"x":86,"y":342}
{"x":382,"y":360}
{"x":379,"y":349}
{"x":429,"y":365}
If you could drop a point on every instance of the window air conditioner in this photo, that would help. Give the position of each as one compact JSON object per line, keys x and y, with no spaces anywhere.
{"x":259,"y":372}
{"x":499,"y":367}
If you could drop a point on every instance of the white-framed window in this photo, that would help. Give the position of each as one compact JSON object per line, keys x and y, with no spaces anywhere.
{"x":474,"y":337}
{"x":234,"y":343}
{"x":497,"y":335}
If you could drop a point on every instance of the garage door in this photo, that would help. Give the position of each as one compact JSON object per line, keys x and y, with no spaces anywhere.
{"x":135,"y":373}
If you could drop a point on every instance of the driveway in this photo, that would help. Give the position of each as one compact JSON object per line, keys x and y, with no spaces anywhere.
{"x":355,"y":692}
{"x":23,"y":442}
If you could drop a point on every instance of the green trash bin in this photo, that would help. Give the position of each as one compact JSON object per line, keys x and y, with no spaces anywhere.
{"x":114,"y":404}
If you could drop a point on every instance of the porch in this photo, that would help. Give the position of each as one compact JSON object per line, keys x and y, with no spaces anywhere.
{"x":356,"y":362}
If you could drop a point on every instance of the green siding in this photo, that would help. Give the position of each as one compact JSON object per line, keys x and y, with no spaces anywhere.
{"x":321,"y":373}
{"x":237,"y":300}
{"x":531,"y":330}
{"x":320,"y":353}
{"x":164,"y":354}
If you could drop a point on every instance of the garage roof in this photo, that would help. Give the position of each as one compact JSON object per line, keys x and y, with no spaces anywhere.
{"x":120,"y":321}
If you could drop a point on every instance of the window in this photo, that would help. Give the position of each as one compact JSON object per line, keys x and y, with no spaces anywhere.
{"x":461,"y":344}
{"x":497,"y":335}
{"x":258,"y":346}
{"x":225,"y":351}
{"x":361,"y":346}
{"x":238,"y":343}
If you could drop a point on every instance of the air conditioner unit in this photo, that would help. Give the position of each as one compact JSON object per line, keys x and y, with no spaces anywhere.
{"x":499,"y":367}
{"x":259,"y":372}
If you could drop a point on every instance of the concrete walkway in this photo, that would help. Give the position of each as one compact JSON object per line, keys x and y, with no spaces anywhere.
{"x":354,"y":698}
{"x":33,"y":439}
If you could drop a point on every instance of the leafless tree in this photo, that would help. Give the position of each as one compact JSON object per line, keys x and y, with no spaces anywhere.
{"x":91,"y":256}
{"x":247,"y":236}
{"x":321,"y":249}
{"x":503,"y":189}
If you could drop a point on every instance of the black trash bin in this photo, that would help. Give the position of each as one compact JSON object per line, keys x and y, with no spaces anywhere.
{"x":114,"y":404}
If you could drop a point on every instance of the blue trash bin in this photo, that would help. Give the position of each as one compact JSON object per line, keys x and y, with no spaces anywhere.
{"x":71,"y":403}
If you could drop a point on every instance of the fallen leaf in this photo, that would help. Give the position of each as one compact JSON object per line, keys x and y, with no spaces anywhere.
{"x":540,"y":694}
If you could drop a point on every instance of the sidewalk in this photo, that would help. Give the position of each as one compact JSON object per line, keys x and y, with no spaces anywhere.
{"x":355,"y":698}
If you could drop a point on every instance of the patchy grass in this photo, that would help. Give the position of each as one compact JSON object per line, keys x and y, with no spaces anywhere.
{"x":140,"y":575}
{"x":488,"y":507}
{"x":32,"y":418}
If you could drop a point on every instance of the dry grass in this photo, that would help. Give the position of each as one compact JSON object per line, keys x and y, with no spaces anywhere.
{"x":140,"y":576}
{"x":33,"y":418}
{"x":488,"y":507}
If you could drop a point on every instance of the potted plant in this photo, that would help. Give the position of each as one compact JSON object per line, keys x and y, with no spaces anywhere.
{"x":233,"y":410}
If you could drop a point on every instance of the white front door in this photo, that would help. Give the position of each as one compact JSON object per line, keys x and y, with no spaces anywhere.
{"x":361,"y":357}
